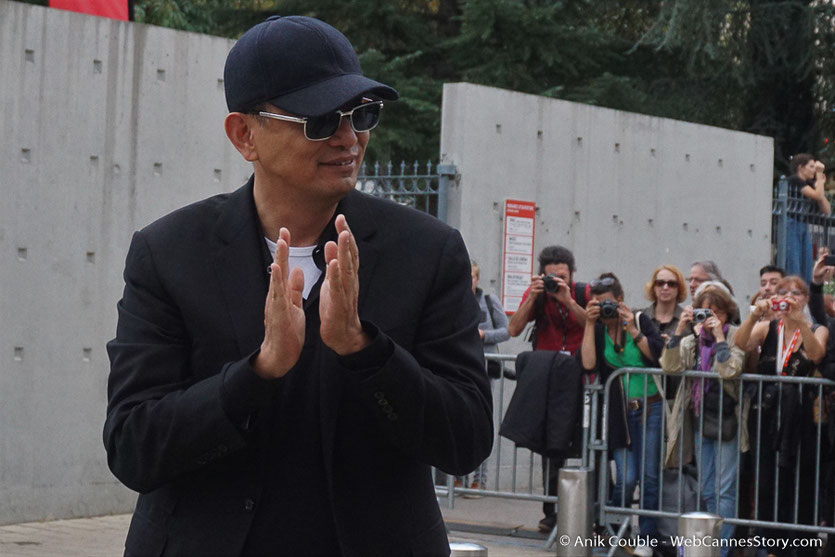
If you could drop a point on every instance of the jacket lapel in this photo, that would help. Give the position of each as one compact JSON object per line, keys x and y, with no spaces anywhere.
{"x":240,"y":267}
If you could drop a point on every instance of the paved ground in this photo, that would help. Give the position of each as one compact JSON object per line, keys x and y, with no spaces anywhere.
{"x":104,"y":536}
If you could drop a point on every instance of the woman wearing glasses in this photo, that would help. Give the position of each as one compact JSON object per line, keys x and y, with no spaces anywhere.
{"x":708,"y":346}
{"x":666,"y":292}
{"x":613,"y":339}
{"x":789,"y":345}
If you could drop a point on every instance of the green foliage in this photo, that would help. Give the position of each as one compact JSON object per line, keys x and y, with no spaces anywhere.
{"x":763,"y":66}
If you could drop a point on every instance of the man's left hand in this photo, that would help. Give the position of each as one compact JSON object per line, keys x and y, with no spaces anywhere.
{"x":340,"y":327}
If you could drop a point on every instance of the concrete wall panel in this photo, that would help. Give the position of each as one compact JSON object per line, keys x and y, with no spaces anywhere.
{"x":625,"y":192}
{"x":107,"y":126}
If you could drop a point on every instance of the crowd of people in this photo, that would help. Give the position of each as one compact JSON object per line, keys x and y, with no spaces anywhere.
{"x":717,"y":424}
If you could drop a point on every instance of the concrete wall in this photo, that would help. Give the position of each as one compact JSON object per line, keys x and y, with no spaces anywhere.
{"x":625,"y":192}
{"x":106,"y":126}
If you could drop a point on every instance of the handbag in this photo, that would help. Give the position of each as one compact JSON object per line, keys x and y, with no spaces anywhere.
{"x":710,"y":415}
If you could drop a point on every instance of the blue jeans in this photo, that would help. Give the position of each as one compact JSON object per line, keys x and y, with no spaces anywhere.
{"x":628,"y":463}
{"x":710,"y":451}
{"x":799,"y":259}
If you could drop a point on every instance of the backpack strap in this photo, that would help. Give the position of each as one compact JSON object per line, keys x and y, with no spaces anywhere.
{"x":582,"y":292}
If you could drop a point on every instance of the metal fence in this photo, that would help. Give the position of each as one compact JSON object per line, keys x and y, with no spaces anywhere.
{"x":759,"y":473}
{"x":422,"y":186}
{"x":787,"y":210}
{"x":758,"y":491}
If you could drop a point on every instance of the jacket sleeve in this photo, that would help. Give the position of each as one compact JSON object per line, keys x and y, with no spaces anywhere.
{"x":654,"y":338}
{"x":499,"y":331}
{"x":675,"y":358}
{"x":436,"y":395}
{"x":162,"y":422}
{"x":729,"y":359}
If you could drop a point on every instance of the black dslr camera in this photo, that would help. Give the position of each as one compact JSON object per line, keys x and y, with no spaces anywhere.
{"x":608,"y":309}
{"x":551,"y":284}
{"x":700,"y":315}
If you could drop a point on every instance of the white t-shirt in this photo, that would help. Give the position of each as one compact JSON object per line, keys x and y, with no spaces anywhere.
{"x":303,"y":259}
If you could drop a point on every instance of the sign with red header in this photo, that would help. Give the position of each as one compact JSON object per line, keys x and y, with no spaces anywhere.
{"x":114,"y":9}
{"x":517,"y":251}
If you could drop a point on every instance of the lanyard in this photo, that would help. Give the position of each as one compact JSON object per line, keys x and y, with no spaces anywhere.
{"x":783,"y":354}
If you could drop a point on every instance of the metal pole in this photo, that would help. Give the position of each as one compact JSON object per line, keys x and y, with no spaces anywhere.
{"x":446,"y":173}
{"x":782,"y":214}
{"x":574,"y":519}
{"x":699,"y":534}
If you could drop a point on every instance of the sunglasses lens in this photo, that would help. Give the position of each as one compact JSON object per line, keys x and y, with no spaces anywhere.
{"x":322,"y":127}
{"x":365,"y":117}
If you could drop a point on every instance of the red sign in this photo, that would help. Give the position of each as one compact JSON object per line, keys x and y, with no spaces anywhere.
{"x":517,"y":251}
{"x":114,"y":9}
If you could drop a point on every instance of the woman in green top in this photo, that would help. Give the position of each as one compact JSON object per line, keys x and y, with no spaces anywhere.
{"x":614,"y":339}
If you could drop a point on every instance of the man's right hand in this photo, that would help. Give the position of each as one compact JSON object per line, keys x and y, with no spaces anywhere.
{"x":283,"y":315}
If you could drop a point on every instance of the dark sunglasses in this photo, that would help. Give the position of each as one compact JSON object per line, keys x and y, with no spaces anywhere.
{"x":661,"y":283}
{"x":608,"y":281}
{"x":363,"y":118}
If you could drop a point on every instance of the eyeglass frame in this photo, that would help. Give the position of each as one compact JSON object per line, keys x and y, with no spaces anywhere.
{"x":660,"y":283}
{"x":342,"y":114}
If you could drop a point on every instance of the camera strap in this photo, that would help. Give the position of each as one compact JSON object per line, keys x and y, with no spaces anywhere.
{"x":785,"y":353}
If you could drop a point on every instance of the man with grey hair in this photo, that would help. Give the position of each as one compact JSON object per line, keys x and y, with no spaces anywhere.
{"x":702,"y":271}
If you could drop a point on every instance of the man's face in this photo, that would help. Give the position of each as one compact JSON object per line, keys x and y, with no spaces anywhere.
{"x":323,"y":169}
{"x":697,"y":277}
{"x":768,"y":283}
{"x":475,"y":275}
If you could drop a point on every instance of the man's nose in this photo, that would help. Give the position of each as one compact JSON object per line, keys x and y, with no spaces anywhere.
{"x":345,"y":134}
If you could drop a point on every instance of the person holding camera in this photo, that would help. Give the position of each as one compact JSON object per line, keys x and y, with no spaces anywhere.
{"x":706,"y":412}
{"x":807,"y":181}
{"x":615,"y":339}
{"x":555,"y":303}
{"x":789,"y":345}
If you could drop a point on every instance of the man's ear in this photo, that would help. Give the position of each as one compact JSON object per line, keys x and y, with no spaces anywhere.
{"x":238,"y":128}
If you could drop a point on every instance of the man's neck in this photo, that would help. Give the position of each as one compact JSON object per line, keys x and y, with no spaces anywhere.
{"x":305,"y":217}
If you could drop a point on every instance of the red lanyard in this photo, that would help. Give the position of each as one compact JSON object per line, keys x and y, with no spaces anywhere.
{"x":783,"y":355}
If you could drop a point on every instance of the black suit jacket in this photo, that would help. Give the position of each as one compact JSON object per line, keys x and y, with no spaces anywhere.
{"x":185,"y":406}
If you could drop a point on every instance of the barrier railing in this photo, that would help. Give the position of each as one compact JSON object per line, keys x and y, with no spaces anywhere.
{"x":514,"y":473}
{"x":767,"y":409}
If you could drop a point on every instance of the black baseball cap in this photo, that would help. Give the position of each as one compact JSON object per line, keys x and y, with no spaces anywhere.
{"x":299,"y":64}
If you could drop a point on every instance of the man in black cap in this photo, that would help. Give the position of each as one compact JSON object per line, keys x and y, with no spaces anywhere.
{"x":264,"y":410}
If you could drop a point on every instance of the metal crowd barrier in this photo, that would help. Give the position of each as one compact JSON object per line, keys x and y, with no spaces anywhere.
{"x":757,"y":393}
{"x":515,"y":473}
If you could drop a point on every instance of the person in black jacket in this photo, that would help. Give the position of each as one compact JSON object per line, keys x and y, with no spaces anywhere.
{"x":614,"y":339}
{"x":264,"y":410}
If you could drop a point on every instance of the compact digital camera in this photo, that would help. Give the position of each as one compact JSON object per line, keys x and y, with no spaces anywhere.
{"x":779,"y":305}
{"x":700,"y":315}
{"x":608,"y":309}
{"x":551,"y":284}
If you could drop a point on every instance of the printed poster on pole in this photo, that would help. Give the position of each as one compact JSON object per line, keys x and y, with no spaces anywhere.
{"x":517,"y":251}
